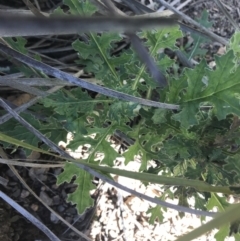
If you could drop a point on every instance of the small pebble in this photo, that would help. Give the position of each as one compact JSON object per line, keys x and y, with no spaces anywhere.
{"x":69,"y":219}
{"x":24,"y":193}
{"x":45,"y":198}
{"x":16,"y":193}
{"x":56,"y":200}
{"x":54,"y":218}
{"x":34,"y":207}
{"x":60,"y":208}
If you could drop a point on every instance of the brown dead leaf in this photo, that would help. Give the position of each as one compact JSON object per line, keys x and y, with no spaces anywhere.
{"x":22,"y":99}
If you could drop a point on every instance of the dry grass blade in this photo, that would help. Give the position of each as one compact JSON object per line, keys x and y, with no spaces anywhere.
{"x":80,"y":82}
{"x":36,"y":26}
{"x":2,"y":153}
{"x":18,"y":12}
{"x":143,"y":54}
{"x":101,"y":7}
{"x":86,"y":168}
{"x":184,"y":4}
{"x":37,"y":116}
{"x":226,"y":13}
{"x":3,"y":181}
{"x":49,"y":82}
{"x":141,"y":50}
{"x":12,"y":76}
{"x":33,"y":9}
{"x":167,"y":13}
{"x":30,"y":217}
{"x":16,"y":85}
{"x":139,"y":5}
{"x":191,"y":21}
{"x":24,"y":212}
{"x":23,"y":107}
{"x":29,"y":164}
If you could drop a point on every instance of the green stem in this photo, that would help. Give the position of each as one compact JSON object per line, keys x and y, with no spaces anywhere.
{"x":146,"y":177}
{"x":149,"y":93}
{"x":174,"y":181}
{"x":105,"y":59}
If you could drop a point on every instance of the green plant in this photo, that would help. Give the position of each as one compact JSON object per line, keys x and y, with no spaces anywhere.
{"x":199,"y":141}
